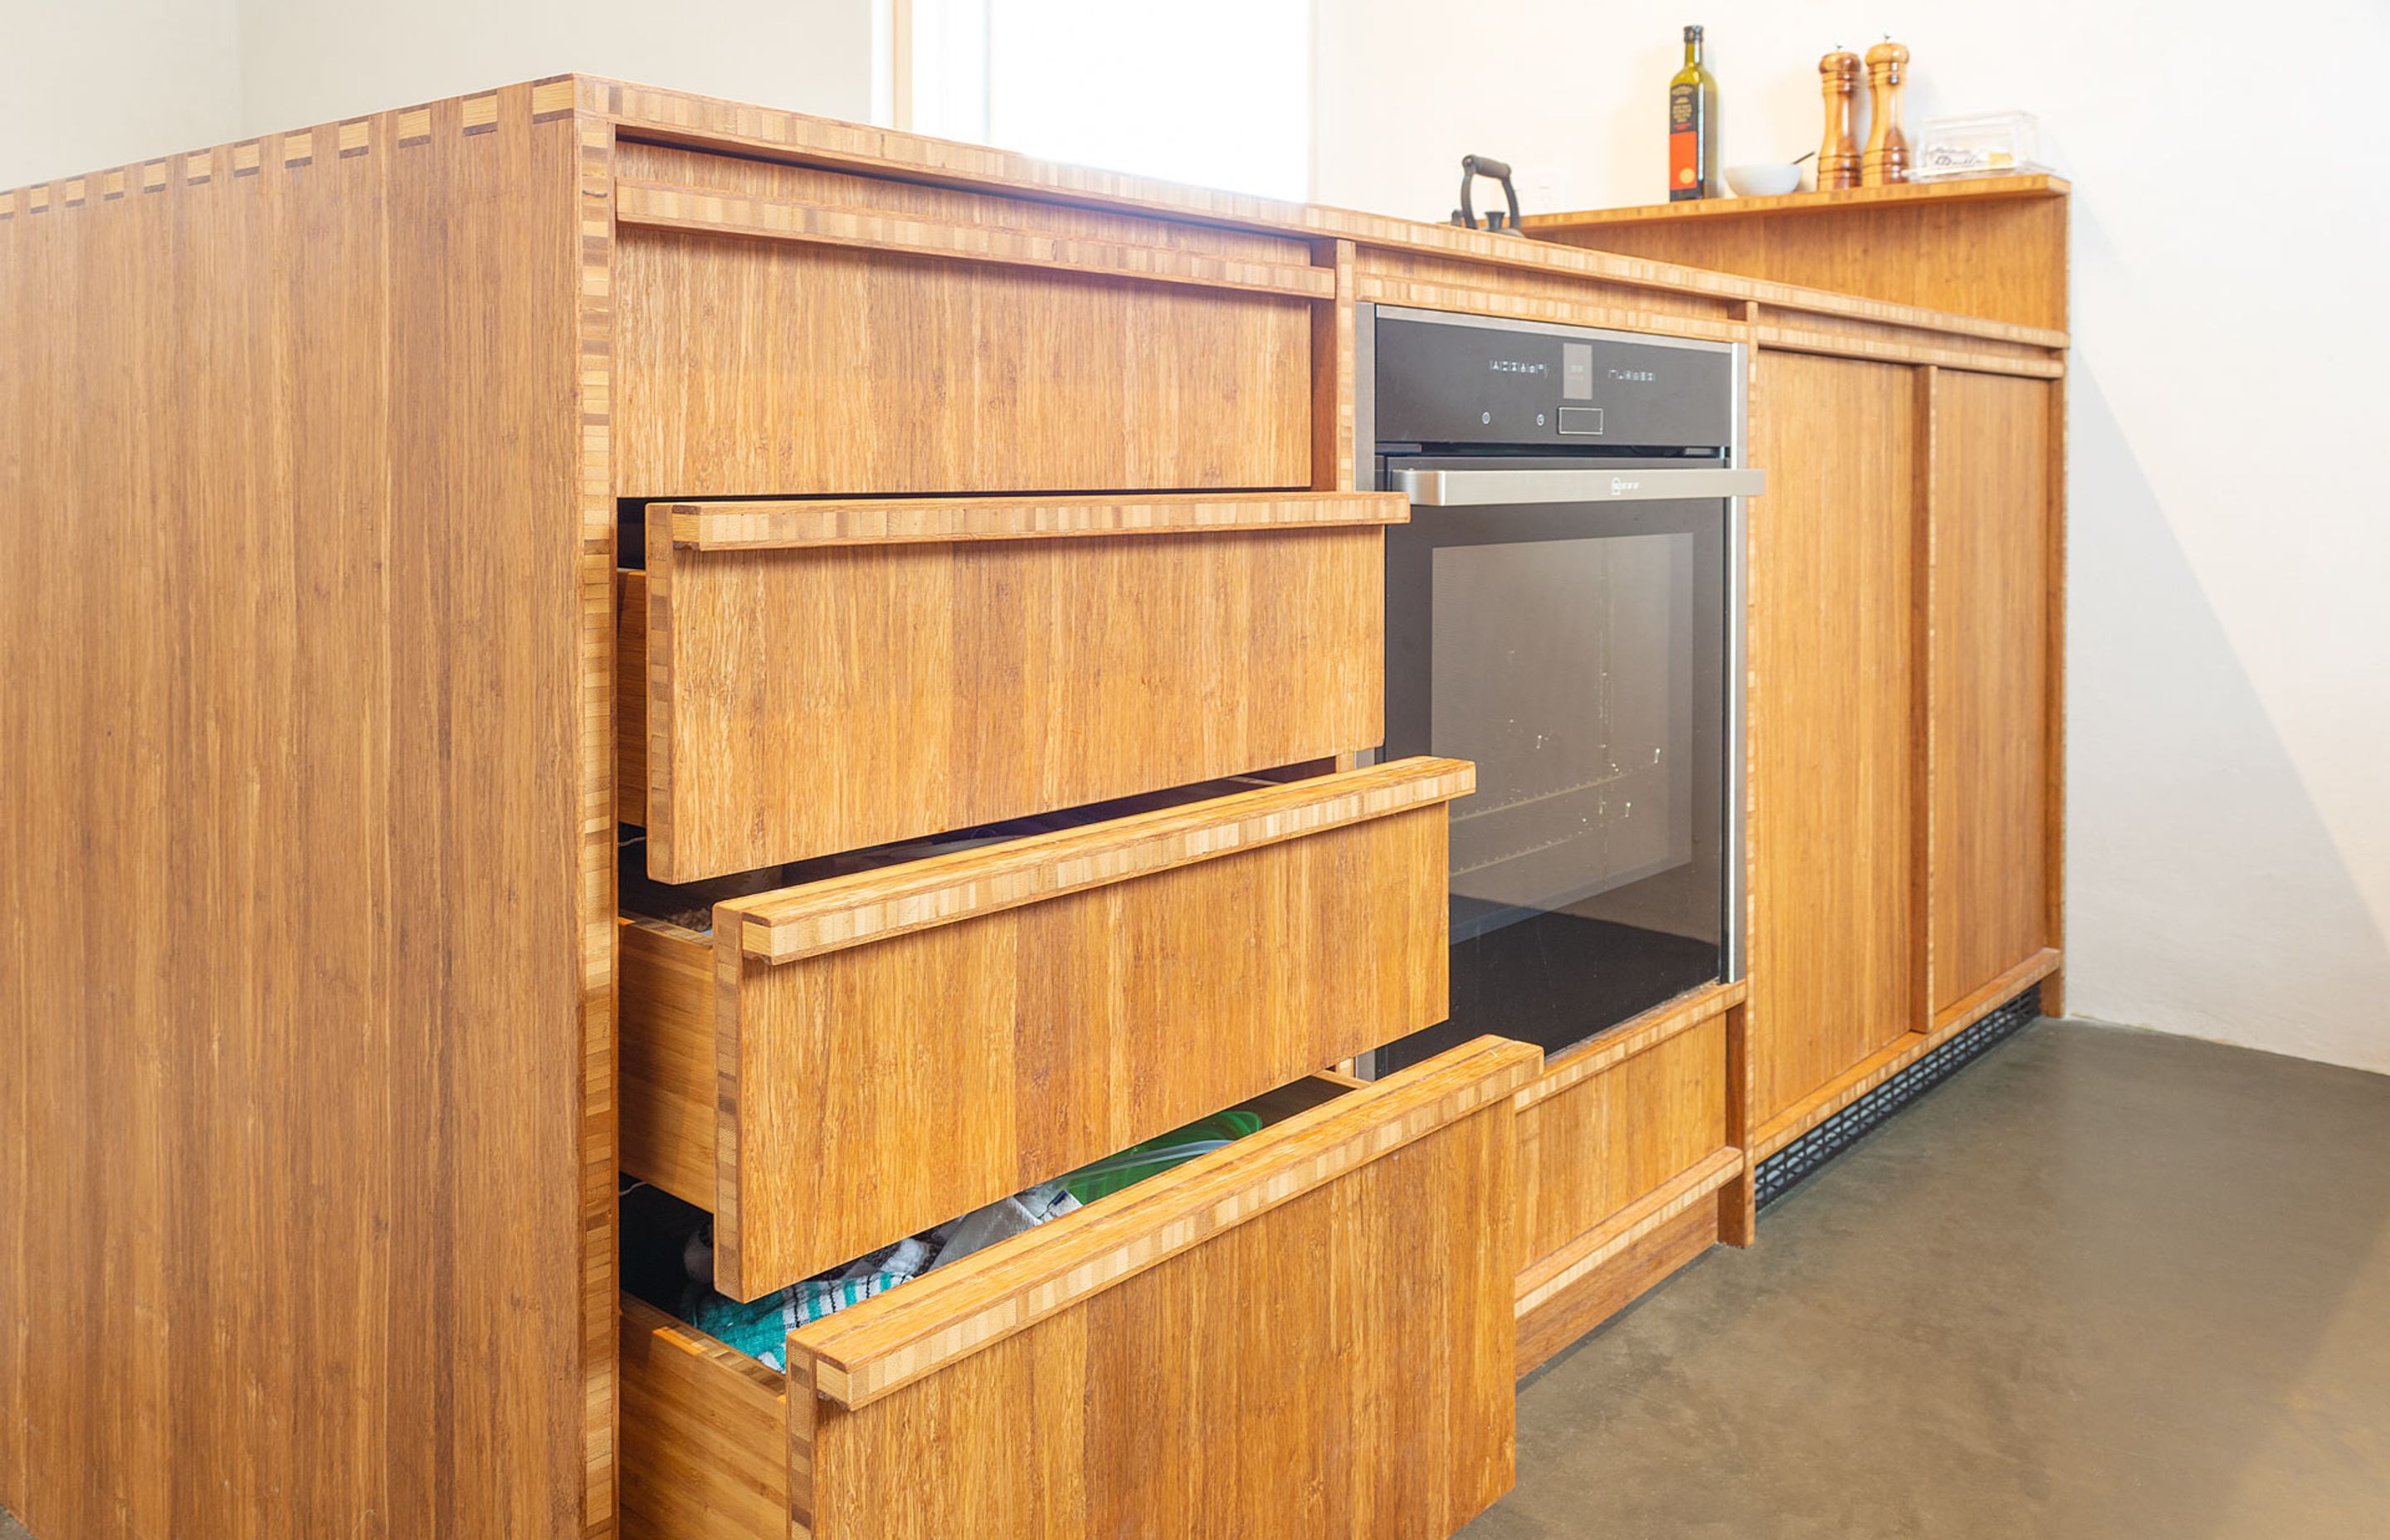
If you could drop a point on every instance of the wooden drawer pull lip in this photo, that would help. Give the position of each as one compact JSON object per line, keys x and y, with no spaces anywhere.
{"x":873,"y":1348}
{"x":785,"y":525}
{"x":849,"y":911}
{"x":1588,"y":1251}
{"x":662,"y":206}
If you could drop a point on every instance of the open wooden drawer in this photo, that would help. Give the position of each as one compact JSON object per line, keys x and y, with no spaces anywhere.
{"x":1305,"y":1334}
{"x":843,"y":1063}
{"x":980,"y":658}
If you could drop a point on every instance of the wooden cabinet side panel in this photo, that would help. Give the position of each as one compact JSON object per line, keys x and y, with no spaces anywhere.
{"x":295,"y":1149}
{"x":1990,"y":678}
{"x":888,"y":1087}
{"x":989,"y":680}
{"x":1834,"y":646}
{"x":705,"y":1437}
{"x":1340,"y":1365}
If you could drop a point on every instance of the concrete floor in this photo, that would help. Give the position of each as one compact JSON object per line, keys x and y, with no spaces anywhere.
{"x":2102,"y":1283}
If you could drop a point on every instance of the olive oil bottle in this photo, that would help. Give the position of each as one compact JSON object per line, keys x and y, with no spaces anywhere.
{"x":1692,"y":127}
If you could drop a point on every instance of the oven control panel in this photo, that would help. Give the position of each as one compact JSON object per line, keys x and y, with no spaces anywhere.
{"x":1464,"y":382}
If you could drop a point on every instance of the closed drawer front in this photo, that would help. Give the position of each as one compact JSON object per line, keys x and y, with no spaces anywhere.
{"x":786,"y":330}
{"x":1625,"y":1144}
{"x":981,"y":659}
{"x":1308,"y":1333}
{"x":843,"y":1063}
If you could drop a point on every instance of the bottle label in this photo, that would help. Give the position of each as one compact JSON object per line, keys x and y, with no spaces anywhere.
{"x":1685,"y":142}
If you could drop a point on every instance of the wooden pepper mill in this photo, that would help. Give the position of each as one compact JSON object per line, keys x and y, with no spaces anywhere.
{"x":1886,"y":161}
{"x":1838,"y":153}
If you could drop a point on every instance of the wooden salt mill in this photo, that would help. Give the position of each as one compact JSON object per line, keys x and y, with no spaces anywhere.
{"x":1886,"y":161}
{"x":1838,"y":154}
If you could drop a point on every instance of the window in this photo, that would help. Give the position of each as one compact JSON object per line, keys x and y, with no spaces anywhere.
{"x":1217,"y":95}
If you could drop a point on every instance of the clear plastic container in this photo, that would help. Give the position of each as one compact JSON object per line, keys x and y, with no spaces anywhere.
{"x":1984,"y":144}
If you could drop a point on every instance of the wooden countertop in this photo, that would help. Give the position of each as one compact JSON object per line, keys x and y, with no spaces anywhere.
{"x":678,"y":118}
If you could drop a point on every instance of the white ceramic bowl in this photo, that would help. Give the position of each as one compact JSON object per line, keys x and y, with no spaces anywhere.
{"x":1763,"y":179}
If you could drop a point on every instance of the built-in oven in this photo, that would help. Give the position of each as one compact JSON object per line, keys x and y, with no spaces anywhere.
{"x":1564,"y":608}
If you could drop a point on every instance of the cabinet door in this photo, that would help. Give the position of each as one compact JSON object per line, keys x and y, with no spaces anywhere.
{"x":1834,"y":729}
{"x":1992,"y":510}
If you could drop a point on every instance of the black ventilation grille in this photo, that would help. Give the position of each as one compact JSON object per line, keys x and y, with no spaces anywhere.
{"x":1793,"y":1164}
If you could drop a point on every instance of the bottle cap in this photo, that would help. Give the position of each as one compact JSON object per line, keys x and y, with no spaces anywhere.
{"x":1693,"y":33}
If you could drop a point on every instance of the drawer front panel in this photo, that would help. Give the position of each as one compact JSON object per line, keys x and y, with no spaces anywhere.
{"x":1592,"y":1150}
{"x":893,"y":1049}
{"x":792,"y":331}
{"x":1310,"y":1330}
{"x":978,"y":679}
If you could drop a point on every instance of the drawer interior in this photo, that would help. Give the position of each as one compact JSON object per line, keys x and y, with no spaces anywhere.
{"x":842,"y":1061}
{"x":1313,"y":1321}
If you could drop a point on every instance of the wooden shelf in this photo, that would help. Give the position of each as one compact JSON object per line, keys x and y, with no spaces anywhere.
{"x":1993,"y":247}
{"x":1957,"y":190}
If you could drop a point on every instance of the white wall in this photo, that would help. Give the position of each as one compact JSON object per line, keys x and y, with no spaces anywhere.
{"x":306,"y":61}
{"x":2229,"y":664}
{"x":94,"y":84}
{"x":97,"y":83}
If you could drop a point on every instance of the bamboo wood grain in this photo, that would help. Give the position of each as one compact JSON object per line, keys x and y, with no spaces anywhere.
{"x":746,"y":526}
{"x":1638,"y":1268}
{"x":306,"y":1164}
{"x":1854,"y":340}
{"x":1993,"y":247}
{"x":669,"y":1067}
{"x":1964,"y":189}
{"x":1637,"y":1035}
{"x":1737,"y":1216}
{"x":1924,"y":757}
{"x":696,"y":122}
{"x":1579,"y":1258}
{"x":1332,"y":382}
{"x":599,"y":1154}
{"x":1115,"y":1395}
{"x":1898,"y":1055}
{"x":915,"y":377}
{"x":880,"y":1346}
{"x":1833,"y":644}
{"x":1559,"y":302}
{"x":983,"y":680}
{"x":2053,"y":986}
{"x":848,"y":911}
{"x":1990,"y":679}
{"x":704,"y":210}
{"x":1598,"y":1148}
{"x":706,"y":1436}
{"x":826,"y":1105}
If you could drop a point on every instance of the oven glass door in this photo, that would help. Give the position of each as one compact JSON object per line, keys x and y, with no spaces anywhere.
{"x":1576,"y":652}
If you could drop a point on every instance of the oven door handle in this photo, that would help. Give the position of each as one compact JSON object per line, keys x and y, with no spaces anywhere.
{"x":1478,"y":489}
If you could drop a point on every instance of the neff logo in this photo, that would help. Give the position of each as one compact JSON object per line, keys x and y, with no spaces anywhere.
{"x":1515,"y":365}
{"x":1620,"y":486}
{"x":1641,"y":375}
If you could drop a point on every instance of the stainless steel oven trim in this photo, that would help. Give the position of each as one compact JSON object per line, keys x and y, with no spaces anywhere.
{"x":1737,"y":672}
{"x":1477,"y":489}
{"x":1733,"y":856}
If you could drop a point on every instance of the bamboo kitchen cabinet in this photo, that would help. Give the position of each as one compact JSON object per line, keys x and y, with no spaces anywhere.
{"x":583,"y":631}
{"x":1908,"y":706}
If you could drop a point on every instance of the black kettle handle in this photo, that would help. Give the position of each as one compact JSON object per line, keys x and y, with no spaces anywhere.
{"x":1472,"y":168}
